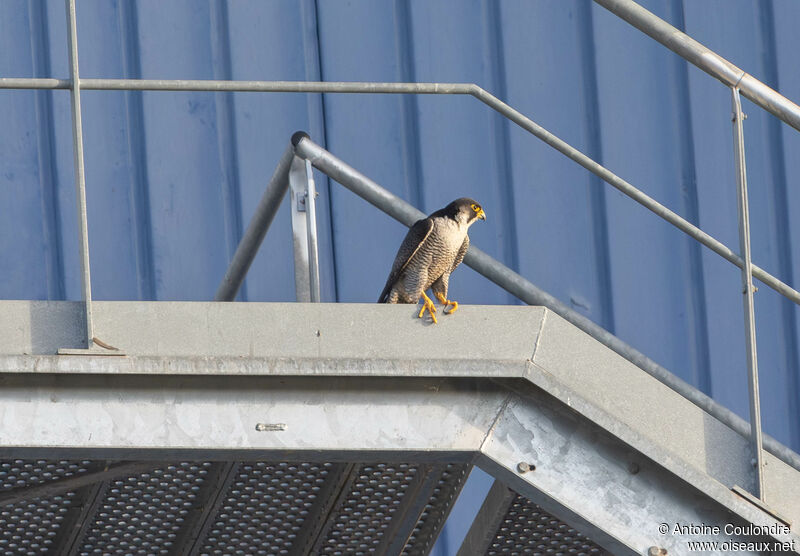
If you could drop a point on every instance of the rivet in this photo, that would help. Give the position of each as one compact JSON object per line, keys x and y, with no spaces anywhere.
{"x":656,"y":551}
{"x":633,"y":468}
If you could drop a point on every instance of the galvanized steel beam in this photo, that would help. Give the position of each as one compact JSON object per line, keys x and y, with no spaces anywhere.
{"x":600,"y":486}
{"x":184,"y":417}
{"x":566,"y":392}
{"x":325,"y":339}
{"x":582,"y":471}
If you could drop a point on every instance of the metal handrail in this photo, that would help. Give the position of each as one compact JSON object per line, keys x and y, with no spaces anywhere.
{"x":470,"y":89}
{"x":706,"y":59}
{"x":628,"y":10}
{"x":302,"y":146}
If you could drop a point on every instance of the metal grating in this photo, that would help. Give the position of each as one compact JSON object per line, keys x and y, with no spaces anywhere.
{"x":366,"y":512}
{"x":204,"y":508}
{"x":143,"y":514}
{"x":437,"y":509}
{"x":265,"y":508}
{"x":31,"y":527}
{"x":527,"y":529}
{"x":23,"y":473}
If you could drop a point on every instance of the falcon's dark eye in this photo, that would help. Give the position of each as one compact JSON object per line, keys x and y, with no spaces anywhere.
{"x":476,"y":207}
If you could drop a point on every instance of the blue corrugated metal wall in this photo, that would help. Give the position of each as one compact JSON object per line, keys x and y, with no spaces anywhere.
{"x":172,"y":178}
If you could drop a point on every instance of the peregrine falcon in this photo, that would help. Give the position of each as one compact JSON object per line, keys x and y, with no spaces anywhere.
{"x":432,"y":249}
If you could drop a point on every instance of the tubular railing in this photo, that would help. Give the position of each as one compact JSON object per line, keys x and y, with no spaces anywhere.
{"x":303,"y":148}
{"x":294,"y":171}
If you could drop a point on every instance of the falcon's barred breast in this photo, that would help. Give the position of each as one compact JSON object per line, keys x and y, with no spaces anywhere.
{"x":432,"y":249}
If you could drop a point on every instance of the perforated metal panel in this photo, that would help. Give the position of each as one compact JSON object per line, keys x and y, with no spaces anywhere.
{"x":255,"y":508}
{"x":31,"y":527}
{"x":364,"y":515}
{"x":213,"y":508}
{"x":436,"y":510}
{"x":527,"y":529}
{"x":143,"y":514}
{"x":265,"y":508}
{"x":23,"y":473}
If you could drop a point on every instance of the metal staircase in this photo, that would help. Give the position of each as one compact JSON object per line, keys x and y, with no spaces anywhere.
{"x":311,"y":428}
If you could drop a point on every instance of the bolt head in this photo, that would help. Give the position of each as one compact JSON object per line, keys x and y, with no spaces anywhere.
{"x":524,"y":467}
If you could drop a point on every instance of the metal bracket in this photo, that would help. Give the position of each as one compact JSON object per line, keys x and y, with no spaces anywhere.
{"x":97,"y":347}
{"x":761,"y":505}
{"x":304,"y":230}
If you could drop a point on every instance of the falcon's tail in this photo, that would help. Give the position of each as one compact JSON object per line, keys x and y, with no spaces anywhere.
{"x":384,"y":297}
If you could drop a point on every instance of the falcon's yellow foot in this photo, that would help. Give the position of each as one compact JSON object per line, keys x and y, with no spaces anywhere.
{"x":428,"y":304}
{"x":446,"y":302}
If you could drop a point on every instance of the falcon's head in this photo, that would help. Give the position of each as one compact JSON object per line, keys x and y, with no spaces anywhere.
{"x":465,"y":211}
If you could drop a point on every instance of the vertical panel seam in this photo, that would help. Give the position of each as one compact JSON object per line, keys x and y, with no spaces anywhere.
{"x":779,"y":201}
{"x":495,"y":66}
{"x":597,"y":197}
{"x":323,"y":107}
{"x":698,"y":325}
{"x":227,"y":144}
{"x":141,"y":228}
{"x":45,"y":133}
{"x":409,"y":105}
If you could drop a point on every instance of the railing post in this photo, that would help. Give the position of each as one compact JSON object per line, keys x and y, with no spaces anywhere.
{"x":80,"y":183}
{"x":304,"y":230}
{"x":747,"y":290}
{"x":311,"y":221}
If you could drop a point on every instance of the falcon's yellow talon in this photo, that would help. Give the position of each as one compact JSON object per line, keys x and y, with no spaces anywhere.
{"x":428,"y":304}
{"x":444,"y":301}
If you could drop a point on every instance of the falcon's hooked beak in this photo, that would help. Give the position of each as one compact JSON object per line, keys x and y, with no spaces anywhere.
{"x":482,"y":215}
